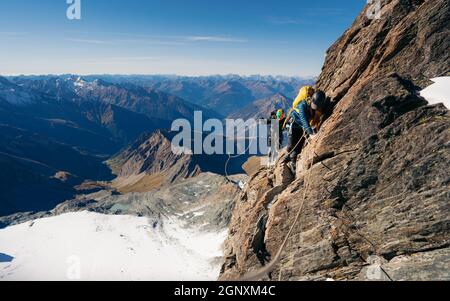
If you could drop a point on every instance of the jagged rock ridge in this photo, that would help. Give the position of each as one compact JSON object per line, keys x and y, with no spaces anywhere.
{"x":375,"y":182}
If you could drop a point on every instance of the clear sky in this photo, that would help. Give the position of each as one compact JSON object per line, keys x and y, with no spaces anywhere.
{"x":187,"y":37}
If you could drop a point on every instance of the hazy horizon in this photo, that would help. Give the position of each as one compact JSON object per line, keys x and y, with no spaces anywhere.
{"x":158,"y":75}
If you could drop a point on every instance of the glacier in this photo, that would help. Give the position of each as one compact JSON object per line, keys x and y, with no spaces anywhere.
{"x":86,"y":246}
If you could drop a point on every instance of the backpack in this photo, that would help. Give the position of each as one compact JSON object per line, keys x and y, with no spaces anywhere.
{"x":305,"y":94}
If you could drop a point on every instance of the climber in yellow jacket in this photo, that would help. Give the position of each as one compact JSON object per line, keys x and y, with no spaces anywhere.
{"x":309,"y":110}
{"x":297,"y":120}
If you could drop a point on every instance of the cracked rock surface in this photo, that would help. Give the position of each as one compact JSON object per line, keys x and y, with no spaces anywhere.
{"x":375,"y":182}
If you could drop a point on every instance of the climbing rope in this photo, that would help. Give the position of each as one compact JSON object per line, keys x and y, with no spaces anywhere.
{"x":257,"y":275}
{"x":239,"y":155}
{"x":228,"y":161}
{"x":230,"y":156}
{"x":304,"y":138}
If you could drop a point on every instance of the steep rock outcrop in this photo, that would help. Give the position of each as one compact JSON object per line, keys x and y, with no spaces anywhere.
{"x":149,"y":163}
{"x":374,"y":185}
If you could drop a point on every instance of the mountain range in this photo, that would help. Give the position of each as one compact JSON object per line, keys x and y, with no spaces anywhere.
{"x":227,"y":94}
{"x":262,"y":108}
{"x":224,"y":95}
{"x":70,"y":125}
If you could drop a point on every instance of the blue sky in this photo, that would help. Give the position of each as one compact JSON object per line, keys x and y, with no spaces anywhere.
{"x":188,"y":37}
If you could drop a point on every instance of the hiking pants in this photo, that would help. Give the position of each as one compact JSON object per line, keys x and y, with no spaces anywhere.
{"x":295,"y":144}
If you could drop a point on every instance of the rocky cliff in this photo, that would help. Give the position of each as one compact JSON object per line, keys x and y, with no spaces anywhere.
{"x":370,"y":200}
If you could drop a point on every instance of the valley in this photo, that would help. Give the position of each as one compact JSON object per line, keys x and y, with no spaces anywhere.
{"x":94,"y":159}
{"x":75,"y":125}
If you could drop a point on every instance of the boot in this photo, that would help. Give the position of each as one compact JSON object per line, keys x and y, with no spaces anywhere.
{"x":292,"y":166}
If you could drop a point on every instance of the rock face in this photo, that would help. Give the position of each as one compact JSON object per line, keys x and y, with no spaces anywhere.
{"x":374,"y":185}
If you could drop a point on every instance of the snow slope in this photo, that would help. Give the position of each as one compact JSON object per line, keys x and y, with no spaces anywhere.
{"x":439,"y":92}
{"x":92,"y":246}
